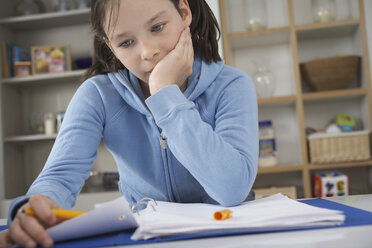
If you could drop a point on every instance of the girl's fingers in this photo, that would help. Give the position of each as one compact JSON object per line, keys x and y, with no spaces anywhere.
{"x":42,"y":207}
{"x":36,"y":231}
{"x":190,"y":47}
{"x":17,"y":234}
{"x":5,"y":239}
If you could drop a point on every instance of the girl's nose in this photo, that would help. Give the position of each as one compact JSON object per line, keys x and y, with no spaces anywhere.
{"x":149,"y":50}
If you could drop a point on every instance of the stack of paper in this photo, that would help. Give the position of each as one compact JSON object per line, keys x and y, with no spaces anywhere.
{"x":171,"y":219}
{"x":275,"y":211}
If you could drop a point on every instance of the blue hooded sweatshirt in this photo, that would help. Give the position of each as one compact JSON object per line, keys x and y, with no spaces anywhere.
{"x":209,"y":133}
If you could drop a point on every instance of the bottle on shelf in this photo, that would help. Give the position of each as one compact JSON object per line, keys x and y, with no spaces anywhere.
{"x":324,"y":10}
{"x":267,"y":153}
{"x":263,"y":78}
{"x":49,"y":123}
{"x":255,"y":11}
{"x":65,"y":5}
{"x":27,"y":7}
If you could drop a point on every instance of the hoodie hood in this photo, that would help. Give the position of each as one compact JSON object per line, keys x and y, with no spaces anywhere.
{"x":128,"y":86}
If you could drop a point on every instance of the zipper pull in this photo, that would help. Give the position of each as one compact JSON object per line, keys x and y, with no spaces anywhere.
{"x":163,"y":141}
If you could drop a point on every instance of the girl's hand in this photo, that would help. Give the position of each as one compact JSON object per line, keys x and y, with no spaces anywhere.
{"x":176,"y":66}
{"x":28,"y":231}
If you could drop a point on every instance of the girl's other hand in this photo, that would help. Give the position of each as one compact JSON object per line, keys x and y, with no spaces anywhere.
{"x":176,"y":66}
{"x":28,"y":231}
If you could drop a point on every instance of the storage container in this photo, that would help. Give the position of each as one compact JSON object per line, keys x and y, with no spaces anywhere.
{"x":332,"y":73}
{"x":342,"y":147}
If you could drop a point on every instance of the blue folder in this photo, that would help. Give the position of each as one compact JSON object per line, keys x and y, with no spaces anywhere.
{"x":354,"y":217}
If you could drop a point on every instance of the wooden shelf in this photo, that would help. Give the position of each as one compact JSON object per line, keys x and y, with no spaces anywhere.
{"x":28,"y":138}
{"x":327,"y":30}
{"x":277,"y":100}
{"x":316,"y":26}
{"x":259,"y":38}
{"x":329,"y":95}
{"x":42,"y":78}
{"x":301,"y":43}
{"x":340,"y":165}
{"x":235,"y":35}
{"x":280,"y":169}
{"x":47,"y":20}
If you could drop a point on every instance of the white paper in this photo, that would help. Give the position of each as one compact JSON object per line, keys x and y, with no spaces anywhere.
{"x":171,"y":219}
{"x":271,"y":212}
{"x":109,"y":217}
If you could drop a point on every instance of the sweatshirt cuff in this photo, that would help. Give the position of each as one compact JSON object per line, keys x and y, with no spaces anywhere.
{"x":14,"y":207}
{"x":163,"y":103}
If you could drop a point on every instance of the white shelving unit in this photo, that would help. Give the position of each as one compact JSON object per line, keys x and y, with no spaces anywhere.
{"x":24,"y":99}
{"x":291,"y":38}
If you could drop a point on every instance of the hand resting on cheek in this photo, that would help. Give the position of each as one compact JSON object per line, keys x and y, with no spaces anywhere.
{"x":176,"y":66}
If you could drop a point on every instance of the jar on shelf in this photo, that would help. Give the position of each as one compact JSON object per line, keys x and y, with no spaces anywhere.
{"x":51,"y":5}
{"x":267,"y":145}
{"x":324,"y":10}
{"x":65,"y":5}
{"x":255,"y":14}
{"x":27,"y":7}
{"x":264,"y":79}
{"x":49,"y":123}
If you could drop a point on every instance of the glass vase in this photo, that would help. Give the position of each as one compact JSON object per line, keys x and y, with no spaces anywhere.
{"x":27,"y":7}
{"x":264,"y":79}
{"x":65,"y":5}
{"x":255,"y":11}
{"x":324,"y":10}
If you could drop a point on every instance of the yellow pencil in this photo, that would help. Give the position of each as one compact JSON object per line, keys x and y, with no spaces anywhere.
{"x":62,"y":214}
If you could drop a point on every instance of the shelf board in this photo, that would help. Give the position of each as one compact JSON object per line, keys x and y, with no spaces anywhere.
{"x":329,"y":95}
{"x":327,"y":30}
{"x":31,"y":137}
{"x":260,"y":37}
{"x":280,"y":169}
{"x":277,"y":100}
{"x":235,"y":35}
{"x":42,"y":78}
{"x":340,"y":165}
{"x":47,"y":20}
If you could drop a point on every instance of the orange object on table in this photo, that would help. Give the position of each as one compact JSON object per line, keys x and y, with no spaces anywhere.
{"x":222,"y":215}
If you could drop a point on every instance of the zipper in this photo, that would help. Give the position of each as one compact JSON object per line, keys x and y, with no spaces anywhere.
{"x":164,"y":146}
{"x":163,"y":141}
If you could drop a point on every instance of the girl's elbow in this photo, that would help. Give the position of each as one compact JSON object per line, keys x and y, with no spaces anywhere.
{"x":235,"y":195}
{"x":234,"y":198}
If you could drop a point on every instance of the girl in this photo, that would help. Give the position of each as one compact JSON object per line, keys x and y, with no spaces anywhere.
{"x":181,"y":125}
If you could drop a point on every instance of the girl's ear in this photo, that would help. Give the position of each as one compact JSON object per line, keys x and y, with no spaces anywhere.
{"x":186,"y":12}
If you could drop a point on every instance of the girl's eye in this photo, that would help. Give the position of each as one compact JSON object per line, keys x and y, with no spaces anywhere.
{"x":157,"y":28}
{"x":126,"y":43}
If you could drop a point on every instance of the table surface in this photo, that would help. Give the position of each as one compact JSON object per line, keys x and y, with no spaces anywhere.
{"x":356,"y":237}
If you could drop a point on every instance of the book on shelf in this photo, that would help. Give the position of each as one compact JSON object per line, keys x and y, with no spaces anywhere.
{"x":6,"y":50}
{"x":12,"y":54}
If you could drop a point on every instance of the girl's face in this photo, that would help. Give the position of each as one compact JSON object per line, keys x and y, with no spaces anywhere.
{"x":146,"y":31}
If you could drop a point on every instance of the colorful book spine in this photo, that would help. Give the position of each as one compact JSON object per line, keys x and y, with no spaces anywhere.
{"x":6,"y":72}
{"x":7,"y":51}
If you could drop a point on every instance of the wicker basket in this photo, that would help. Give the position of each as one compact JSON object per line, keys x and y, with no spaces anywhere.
{"x":332,"y":73}
{"x":343,"y":147}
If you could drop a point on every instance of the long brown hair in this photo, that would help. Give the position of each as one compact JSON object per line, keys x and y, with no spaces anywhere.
{"x":204,"y":30}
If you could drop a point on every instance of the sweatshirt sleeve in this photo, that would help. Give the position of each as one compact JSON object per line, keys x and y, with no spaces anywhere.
{"x":73,"y":152}
{"x":222,"y":158}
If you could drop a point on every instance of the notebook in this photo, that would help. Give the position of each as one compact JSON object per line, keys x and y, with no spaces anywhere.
{"x":166,"y":219}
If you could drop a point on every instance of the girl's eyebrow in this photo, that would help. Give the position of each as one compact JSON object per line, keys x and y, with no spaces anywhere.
{"x":152,"y":19}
